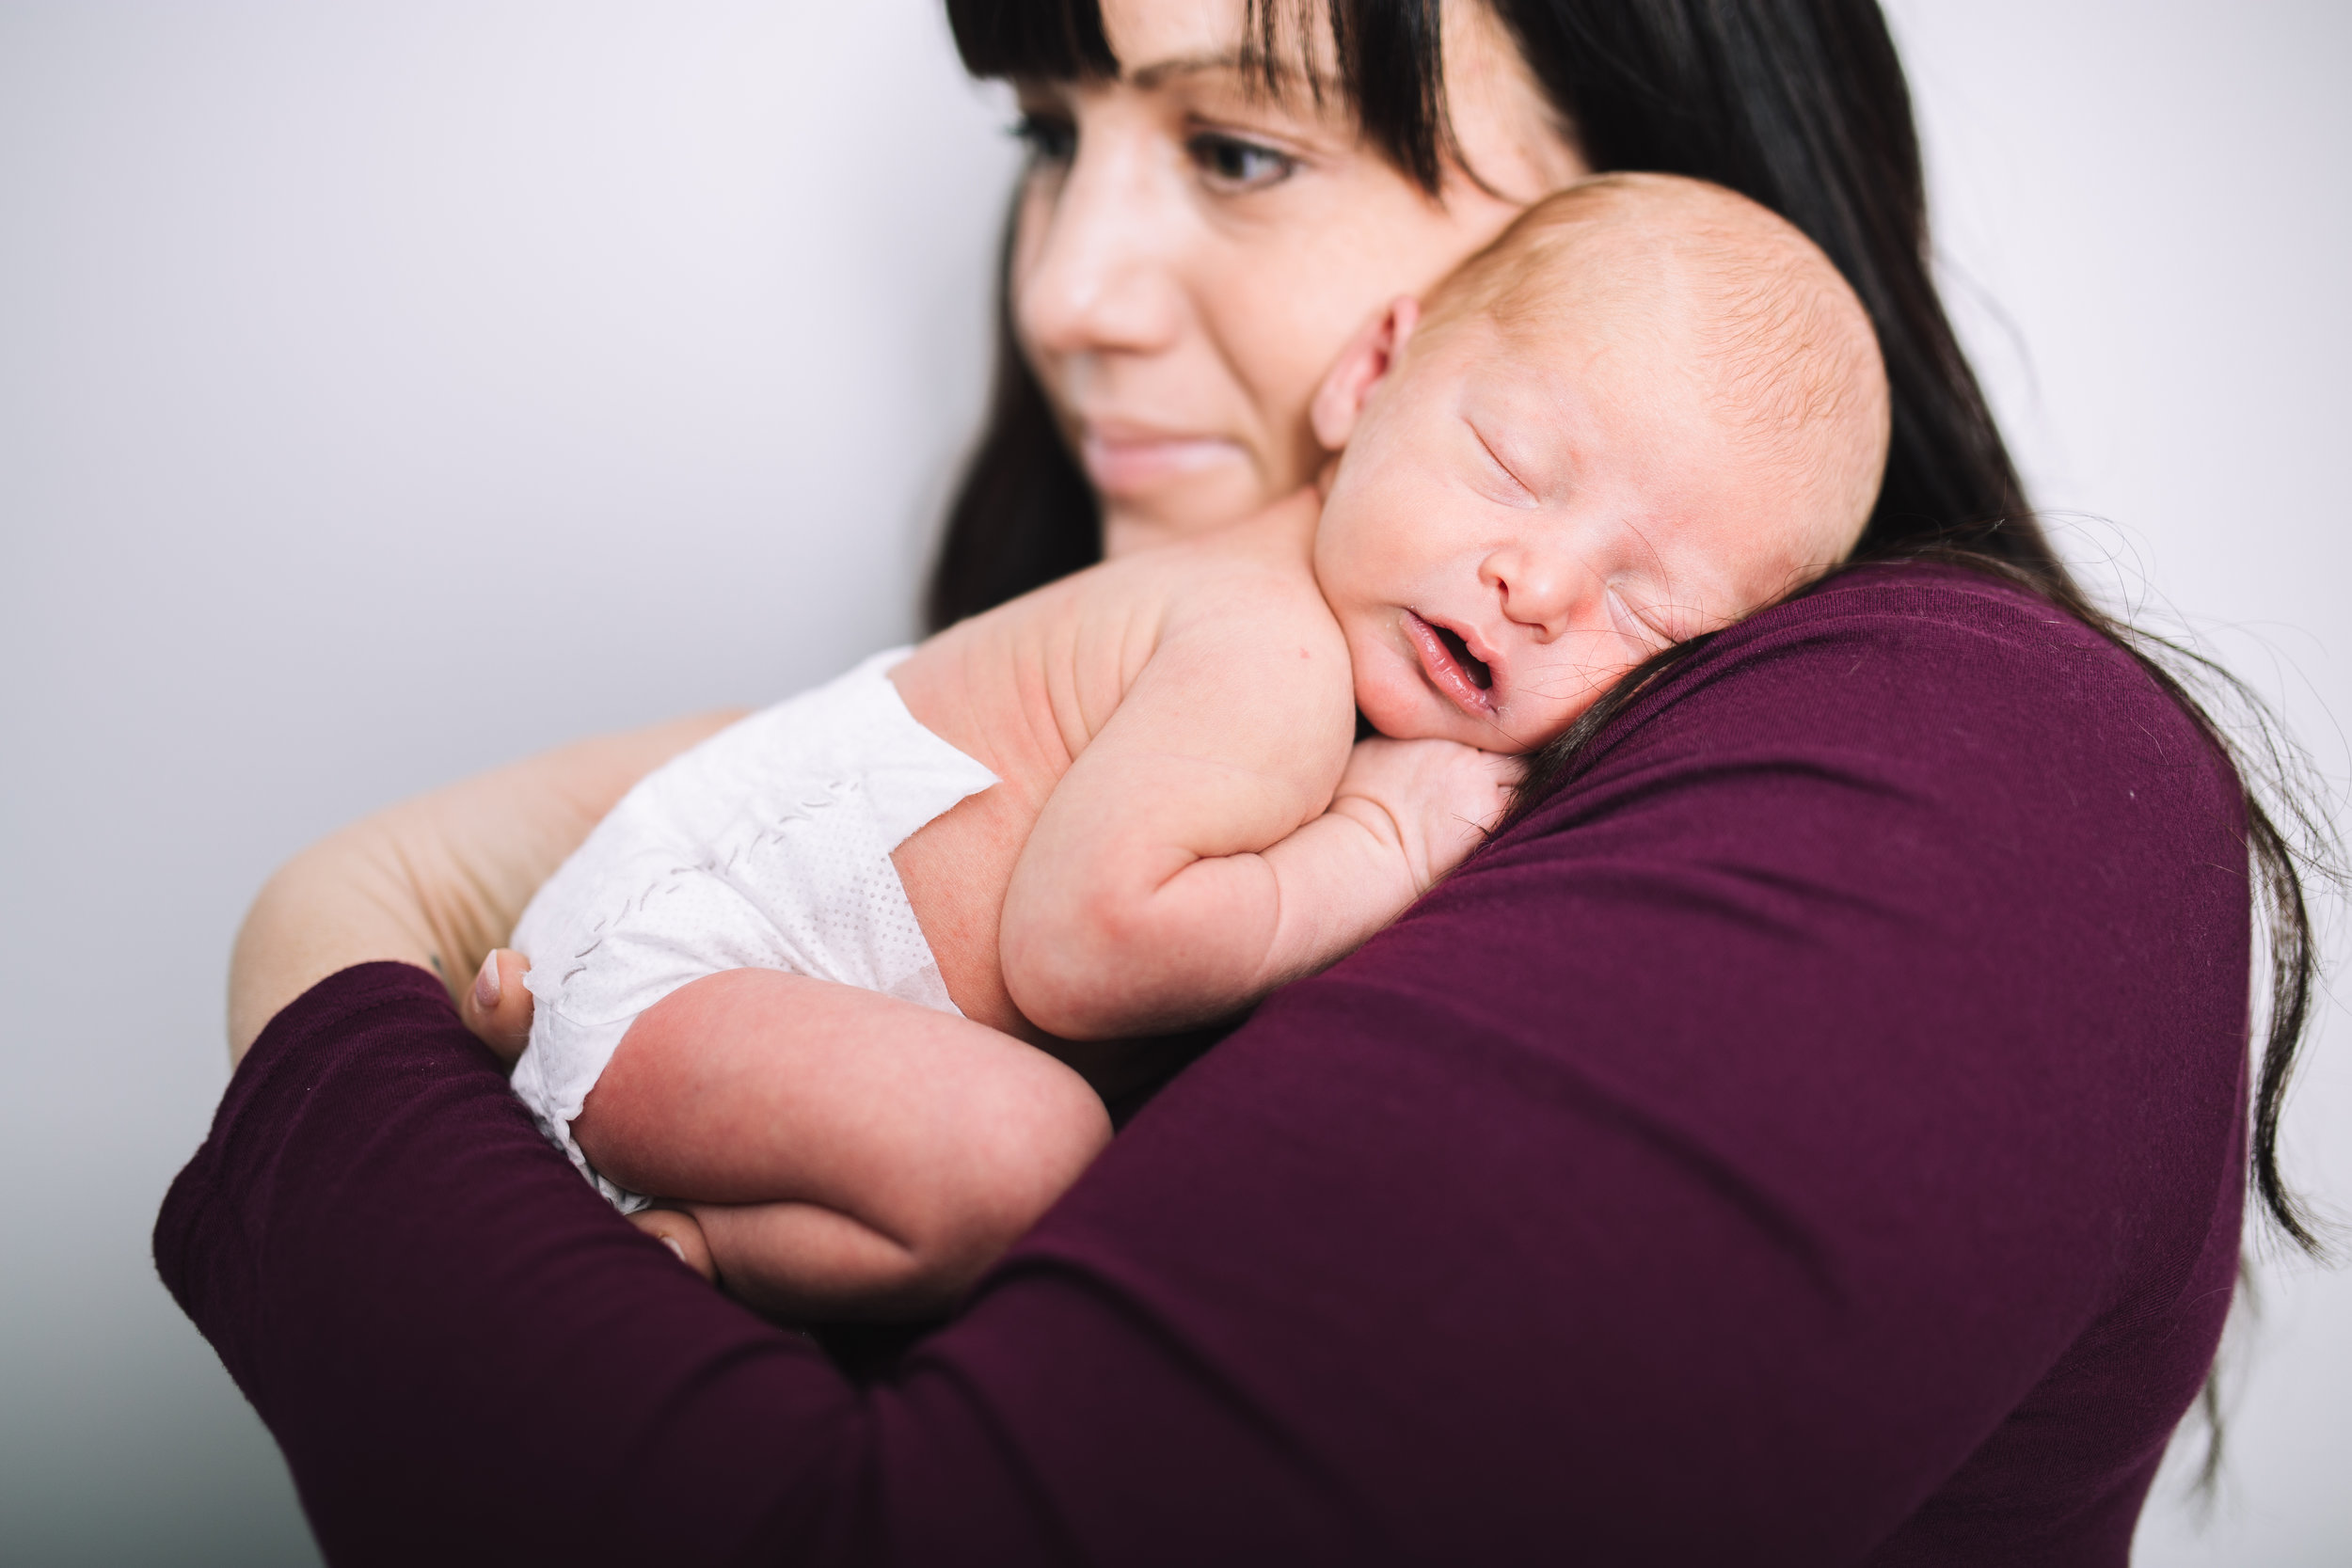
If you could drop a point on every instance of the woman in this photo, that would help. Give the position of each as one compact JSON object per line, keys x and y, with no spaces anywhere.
{"x":1814,"y":1131}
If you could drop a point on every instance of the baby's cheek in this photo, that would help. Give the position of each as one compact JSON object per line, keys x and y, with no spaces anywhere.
{"x":1396,"y":709}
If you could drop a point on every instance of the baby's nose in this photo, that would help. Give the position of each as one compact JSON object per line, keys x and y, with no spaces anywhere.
{"x":1538,"y":591}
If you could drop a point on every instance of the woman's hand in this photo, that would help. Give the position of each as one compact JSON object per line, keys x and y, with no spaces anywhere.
{"x":497,"y":1007}
{"x":439,"y":880}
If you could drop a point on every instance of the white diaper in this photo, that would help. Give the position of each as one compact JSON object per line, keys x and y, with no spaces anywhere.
{"x":766,"y":846}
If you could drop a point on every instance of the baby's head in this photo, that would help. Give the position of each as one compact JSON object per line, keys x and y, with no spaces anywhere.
{"x":1648,"y":409}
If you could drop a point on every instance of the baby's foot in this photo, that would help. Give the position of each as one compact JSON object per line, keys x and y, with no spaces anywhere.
{"x":677,"y":1229}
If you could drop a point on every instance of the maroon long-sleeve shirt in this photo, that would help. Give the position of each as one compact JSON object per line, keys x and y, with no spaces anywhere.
{"x":1815,"y":1137}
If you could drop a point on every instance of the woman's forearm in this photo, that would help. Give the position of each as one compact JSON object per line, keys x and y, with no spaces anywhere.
{"x":438,"y":881}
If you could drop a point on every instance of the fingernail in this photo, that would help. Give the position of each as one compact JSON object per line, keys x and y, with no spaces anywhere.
{"x":678,"y":1251}
{"x":487,"y":990}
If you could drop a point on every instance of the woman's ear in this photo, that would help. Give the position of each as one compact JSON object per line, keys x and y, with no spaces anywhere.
{"x":1362,"y":366}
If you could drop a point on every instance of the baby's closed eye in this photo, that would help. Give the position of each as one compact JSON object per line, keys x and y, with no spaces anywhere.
{"x":1640,"y":628}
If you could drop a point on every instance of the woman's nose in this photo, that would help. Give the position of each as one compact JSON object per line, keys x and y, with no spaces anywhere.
{"x":1098,"y":274}
{"x":1538,"y":591}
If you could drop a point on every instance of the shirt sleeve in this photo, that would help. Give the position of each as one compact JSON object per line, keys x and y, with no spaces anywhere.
{"x":1714,"y":1169}
{"x":464,"y":1352}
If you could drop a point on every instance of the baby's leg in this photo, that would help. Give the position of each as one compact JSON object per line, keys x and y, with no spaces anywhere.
{"x":677,"y":1229}
{"x":801,"y":1261}
{"x":772,"y":1250}
{"x":840,"y":1152}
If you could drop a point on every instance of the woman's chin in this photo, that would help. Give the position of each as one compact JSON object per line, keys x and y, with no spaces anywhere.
{"x":1181,"y":503}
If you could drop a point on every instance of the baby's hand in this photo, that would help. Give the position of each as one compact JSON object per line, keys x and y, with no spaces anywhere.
{"x":1433,"y":799}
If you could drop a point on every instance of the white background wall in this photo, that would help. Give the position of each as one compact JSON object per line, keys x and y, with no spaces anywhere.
{"x":2145,"y":215}
{"x":388,"y":390}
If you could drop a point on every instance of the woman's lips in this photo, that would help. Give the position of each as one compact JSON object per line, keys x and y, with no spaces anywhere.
{"x":1452,"y":668}
{"x":1122,"y":459}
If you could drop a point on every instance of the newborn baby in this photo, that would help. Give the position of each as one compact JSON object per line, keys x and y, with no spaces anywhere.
{"x":1128,"y":803}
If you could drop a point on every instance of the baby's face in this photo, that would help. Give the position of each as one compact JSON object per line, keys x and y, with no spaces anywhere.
{"x":1514,"y":525}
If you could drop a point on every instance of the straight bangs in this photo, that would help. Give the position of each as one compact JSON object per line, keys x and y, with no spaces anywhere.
{"x":1042,"y":41}
{"x":1383,"y":58}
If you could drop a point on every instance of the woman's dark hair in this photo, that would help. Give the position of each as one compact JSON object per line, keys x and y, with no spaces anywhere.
{"x":1800,"y":105}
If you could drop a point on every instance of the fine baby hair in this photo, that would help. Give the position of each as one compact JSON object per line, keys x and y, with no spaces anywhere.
{"x":1676,"y":267}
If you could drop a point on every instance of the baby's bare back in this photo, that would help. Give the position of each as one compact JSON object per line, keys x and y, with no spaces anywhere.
{"x":1025,"y":687}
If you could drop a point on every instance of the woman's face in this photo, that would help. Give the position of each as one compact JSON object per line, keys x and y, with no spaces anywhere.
{"x":1193,"y":253}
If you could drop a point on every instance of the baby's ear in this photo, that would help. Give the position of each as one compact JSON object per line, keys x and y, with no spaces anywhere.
{"x":1362,"y":366}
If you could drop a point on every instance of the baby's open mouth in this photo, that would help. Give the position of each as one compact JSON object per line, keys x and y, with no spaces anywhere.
{"x":1452,"y":668}
{"x":1471,"y":664}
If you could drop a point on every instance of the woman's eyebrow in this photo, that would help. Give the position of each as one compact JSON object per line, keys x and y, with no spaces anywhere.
{"x":1277,"y":73}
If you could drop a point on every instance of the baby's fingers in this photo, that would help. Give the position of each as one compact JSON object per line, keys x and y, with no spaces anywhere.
{"x":497,"y":1007}
{"x":1500,"y":776}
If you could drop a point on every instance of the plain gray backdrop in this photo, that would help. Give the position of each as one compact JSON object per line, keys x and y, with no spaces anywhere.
{"x":391,"y":389}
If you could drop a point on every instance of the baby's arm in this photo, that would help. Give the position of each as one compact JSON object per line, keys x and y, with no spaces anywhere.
{"x":846,"y":1153}
{"x":1187,"y":864}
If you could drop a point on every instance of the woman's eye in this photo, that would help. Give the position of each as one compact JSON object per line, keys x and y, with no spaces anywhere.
{"x":1229,"y":161}
{"x":1049,"y":140}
